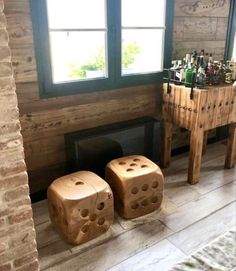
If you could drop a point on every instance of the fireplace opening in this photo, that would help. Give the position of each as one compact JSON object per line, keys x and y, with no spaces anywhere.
{"x":92,"y":149}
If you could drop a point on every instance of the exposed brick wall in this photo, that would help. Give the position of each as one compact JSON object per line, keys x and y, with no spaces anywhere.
{"x":17,"y":235}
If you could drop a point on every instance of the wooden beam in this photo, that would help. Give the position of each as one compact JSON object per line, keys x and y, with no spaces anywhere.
{"x":230,"y":160}
{"x":166,"y":139}
{"x":195,"y":155}
{"x":204,"y":142}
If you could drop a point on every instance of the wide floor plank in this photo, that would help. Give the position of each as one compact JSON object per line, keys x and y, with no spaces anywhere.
{"x":195,"y":210}
{"x":180,"y":193}
{"x":204,"y":231}
{"x":158,"y":257}
{"x":116,"y":250}
{"x":53,"y":250}
{"x":40,"y":212}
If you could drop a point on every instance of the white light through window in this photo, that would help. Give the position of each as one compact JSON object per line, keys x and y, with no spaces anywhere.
{"x":78,"y":34}
{"x":143,"y":27}
{"x":78,"y":37}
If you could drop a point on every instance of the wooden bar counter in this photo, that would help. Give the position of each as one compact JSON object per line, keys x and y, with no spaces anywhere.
{"x":210,"y":108}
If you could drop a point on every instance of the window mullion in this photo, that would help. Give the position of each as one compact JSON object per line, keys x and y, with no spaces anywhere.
{"x":118,"y":31}
{"x":112,"y":38}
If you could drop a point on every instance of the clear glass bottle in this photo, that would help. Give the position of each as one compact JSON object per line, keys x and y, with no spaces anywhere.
{"x":201,"y":75}
{"x":228,"y":75}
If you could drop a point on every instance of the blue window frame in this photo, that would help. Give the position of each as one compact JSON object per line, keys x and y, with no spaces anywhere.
{"x":230,"y":51}
{"x":119,"y":46}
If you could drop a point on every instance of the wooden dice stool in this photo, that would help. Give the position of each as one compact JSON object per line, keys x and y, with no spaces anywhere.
{"x":137,"y":184}
{"x":209,"y":108}
{"x":80,"y":206}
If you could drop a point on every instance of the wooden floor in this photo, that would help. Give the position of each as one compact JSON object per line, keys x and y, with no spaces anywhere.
{"x":191,"y":217}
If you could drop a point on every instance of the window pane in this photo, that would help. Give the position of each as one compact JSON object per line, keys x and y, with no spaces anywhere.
{"x":78,"y":55}
{"x":234,"y":49}
{"x":142,"y":51}
{"x":76,"y":13}
{"x":143,"y":13}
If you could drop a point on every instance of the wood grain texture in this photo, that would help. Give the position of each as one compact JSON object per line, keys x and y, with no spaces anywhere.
{"x":196,"y":215}
{"x":158,"y":257}
{"x":166,"y":141}
{"x":45,"y":121}
{"x":204,"y":142}
{"x":204,"y":231}
{"x":211,"y":8}
{"x":200,"y":25}
{"x":210,"y":108}
{"x":103,"y":257}
{"x":195,"y":155}
{"x":80,"y":206}
{"x":213,"y":176}
{"x":230,"y":159}
{"x":137,"y":184}
{"x":213,"y":200}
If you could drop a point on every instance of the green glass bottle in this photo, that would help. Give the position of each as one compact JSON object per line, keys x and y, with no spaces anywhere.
{"x":190,"y":74}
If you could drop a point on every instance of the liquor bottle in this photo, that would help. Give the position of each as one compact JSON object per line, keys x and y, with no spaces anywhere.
{"x":202,"y":59}
{"x":199,"y":61}
{"x":228,"y":75}
{"x":210,"y":74}
{"x":232,"y":66}
{"x":216,"y":77}
{"x":182,"y":71}
{"x":206,"y":62}
{"x":222,"y":72}
{"x":202,"y":54}
{"x":173,"y":69}
{"x":201,"y":75}
{"x":190,"y":74}
{"x":210,"y":58}
{"x":187,"y":61}
{"x":179,"y":72}
{"x":194,"y":58}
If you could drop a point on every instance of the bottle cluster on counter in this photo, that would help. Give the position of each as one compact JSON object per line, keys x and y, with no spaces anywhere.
{"x":201,"y":70}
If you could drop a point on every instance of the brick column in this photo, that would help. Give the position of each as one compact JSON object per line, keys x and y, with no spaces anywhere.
{"x":17,"y":235}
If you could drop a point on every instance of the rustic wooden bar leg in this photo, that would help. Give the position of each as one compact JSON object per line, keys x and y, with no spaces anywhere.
{"x":166,"y":139}
{"x":230,"y":160}
{"x":195,"y":155}
{"x":204,"y":142}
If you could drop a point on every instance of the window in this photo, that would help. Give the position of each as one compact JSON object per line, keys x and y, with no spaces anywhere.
{"x":77,"y":44}
{"x":142,"y":36}
{"x":230,"y":52}
{"x":93,"y":45}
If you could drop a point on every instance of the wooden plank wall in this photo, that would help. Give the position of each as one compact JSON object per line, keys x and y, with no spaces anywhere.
{"x":45,"y":121}
{"x":200,"y":25}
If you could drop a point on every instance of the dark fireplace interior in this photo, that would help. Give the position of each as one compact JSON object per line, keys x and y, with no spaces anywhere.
{"x":92,"y":149}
